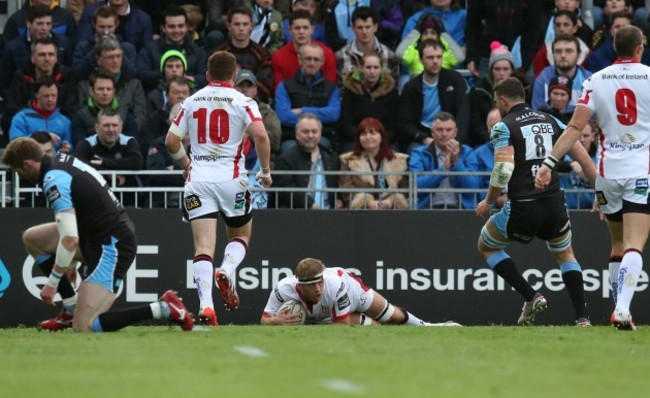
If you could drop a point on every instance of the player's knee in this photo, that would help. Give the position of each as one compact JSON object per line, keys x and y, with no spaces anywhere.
{"x":386,"y":314}
{"x":487,"y":242}
{"x":561,"y":246}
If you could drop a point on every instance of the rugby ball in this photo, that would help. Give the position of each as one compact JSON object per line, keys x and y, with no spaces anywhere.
{"x":294,"y":307}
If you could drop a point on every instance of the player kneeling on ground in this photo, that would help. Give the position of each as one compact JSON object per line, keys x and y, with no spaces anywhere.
{"x":89,"y":218}
{"x":333,"y":295}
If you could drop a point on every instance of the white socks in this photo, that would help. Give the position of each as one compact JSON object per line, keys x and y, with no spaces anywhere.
{"x":203,"y":278}
{"x":413,"y":320}
{"x":233,"y":255}
{"x":628,"y":276}
{"x":614,"y":266}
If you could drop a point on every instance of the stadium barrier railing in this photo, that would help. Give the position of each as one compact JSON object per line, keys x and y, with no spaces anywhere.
{"x":142,"y":195}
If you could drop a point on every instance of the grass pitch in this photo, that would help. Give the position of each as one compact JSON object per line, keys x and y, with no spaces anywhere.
{"x":327,"y":361}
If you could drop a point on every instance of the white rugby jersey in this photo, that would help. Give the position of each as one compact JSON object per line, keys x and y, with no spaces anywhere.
{"x":620,"y":97}
{"x":336,"y":303}
{"x":216,"y":118}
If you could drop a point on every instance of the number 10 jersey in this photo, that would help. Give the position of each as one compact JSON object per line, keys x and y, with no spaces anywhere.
{"x":216,"y":118}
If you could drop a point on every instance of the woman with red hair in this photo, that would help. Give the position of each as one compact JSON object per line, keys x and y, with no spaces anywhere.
{"x":372,"y":161}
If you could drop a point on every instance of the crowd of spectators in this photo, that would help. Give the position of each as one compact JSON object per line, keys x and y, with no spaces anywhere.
{"x":365,"y":86}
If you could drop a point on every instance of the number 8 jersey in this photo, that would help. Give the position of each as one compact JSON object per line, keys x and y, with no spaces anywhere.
{"x":620,"y":96}
{"x":216,"y":118}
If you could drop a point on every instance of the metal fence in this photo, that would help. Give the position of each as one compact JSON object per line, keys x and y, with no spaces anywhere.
{"x":15,"y":193}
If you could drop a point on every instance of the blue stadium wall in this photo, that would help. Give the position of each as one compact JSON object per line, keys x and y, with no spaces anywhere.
{"x":424,"y":261}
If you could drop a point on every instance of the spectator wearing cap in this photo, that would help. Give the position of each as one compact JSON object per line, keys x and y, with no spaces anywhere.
{"x":105,"y":24}
{"x":481,"y":98}
{"x":566,"y":51}
{"x":559,"y":94}
{"x":174,"y":36}
{"x":365,"y":24}
{"x":250,"y":55}
{"x":308,"y":92}
{"x":246,"y":83}
{"x":429,"y":28}
{"x":174,"y":89}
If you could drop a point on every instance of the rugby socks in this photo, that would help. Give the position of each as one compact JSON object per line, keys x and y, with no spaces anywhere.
{"x":503,"y":265}
{"x":628,"y":276}
{"x":114,"y":320}
{"x":412,"y":320}
{"x":233,"y":255}
{"x":203,"y":277}
{"x":45,"y":263}
{"x":572,"y":277}
{"x":614,"y":267}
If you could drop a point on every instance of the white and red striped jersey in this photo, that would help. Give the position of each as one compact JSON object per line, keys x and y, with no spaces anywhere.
{"x":216,"y":118}
{"x":620,"y":97}
{"x":340,"y":296}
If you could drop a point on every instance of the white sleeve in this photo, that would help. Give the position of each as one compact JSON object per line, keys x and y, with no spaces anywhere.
{"x":586,"y":98}
{"x":180,"y":124}
{"x":342,"y":304}
{"x":274,"y":303}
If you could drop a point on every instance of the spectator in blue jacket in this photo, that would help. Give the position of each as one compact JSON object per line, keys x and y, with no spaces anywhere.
{"x":443,"y":154}
{"x":42,"y":115}
{"x":566,"y":50}
{"x":308,"y":92}
{"x":453,"y":16}
{"x":135,"y":24}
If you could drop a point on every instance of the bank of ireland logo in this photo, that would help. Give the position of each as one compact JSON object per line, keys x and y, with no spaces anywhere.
{"x":5,"y":278}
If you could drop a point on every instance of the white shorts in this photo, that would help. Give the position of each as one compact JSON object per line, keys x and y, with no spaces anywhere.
{"x":231,"y":198}
{"x":611,"y":193}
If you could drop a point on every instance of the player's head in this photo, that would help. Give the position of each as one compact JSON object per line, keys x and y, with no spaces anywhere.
{"x":507,"y":93}
{"x":222,"y":66}
{"x":628,"y":42}
{"x":24,"y":155}
{"x":309,"y":273}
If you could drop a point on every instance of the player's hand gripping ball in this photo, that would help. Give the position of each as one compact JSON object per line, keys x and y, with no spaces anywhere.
{"x":293,"y":307}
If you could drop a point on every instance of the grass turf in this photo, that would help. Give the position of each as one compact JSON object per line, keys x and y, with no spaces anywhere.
{"x":326,"y":361}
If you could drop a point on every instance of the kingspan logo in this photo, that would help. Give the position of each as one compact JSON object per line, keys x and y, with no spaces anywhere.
{"x":5,"y":278}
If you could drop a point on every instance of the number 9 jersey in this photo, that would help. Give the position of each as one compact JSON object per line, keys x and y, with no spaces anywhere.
{"x":216,"y":118}
{"x":620,"y":96}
